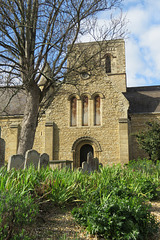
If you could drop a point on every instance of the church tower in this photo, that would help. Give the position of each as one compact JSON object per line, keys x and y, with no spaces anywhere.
{"x":89,"y":113}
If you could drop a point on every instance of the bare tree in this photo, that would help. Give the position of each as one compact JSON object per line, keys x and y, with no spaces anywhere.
{"x":34,"y":35}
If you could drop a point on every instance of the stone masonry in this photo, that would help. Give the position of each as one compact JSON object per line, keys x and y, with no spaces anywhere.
{"x":93,"y":111}
{"x":56,"y":136}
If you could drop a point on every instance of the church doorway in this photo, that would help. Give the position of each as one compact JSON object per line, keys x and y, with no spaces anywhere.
{"x":81,"y":147}
{"x":85,"y":149}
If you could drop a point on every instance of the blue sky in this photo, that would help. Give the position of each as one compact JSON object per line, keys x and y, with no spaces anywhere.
{"x":143,"y":42}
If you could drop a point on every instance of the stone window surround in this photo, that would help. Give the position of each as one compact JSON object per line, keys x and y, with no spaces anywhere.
{"x":91,"y":109}
{"x":73,"y":111}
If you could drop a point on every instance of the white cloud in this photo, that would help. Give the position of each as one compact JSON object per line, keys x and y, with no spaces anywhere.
{"x":151,"y":41}
{"x":133,"y":59}
{"x":134,"y":64}
{"x":142,"y":47}
{"x":138,"y":20}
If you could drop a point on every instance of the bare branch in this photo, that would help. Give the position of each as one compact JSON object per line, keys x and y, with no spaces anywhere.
{"x":35,"y":34}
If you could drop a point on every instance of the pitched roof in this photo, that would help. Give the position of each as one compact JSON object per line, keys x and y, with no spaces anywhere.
{"x":143,"y":99}
{"x":12,"y":101}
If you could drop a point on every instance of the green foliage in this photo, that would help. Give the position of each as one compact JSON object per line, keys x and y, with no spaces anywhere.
{"x":114,"y":207}
{"x":117,"y":218}
{"x":59,"y":186}
{"x":16,"y":210}
{"x":112,"y":198}
{"x":149,"y":140}
{"x":144,"y":166}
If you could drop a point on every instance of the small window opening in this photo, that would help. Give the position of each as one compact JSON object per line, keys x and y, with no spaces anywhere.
{"x":73,"y":111}
{"x":85,"y":111}
{"x":97,"y":112}
{"x":108,"y":64}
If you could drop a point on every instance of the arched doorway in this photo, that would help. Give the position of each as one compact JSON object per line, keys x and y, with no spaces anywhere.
{"x":81,"y":147}
{"x":85,"y":149}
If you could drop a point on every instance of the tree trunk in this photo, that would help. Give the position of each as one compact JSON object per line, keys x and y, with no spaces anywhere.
{"x":29,"y":123}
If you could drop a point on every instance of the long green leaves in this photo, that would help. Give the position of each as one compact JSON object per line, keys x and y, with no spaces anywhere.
{"x":115,"y":195}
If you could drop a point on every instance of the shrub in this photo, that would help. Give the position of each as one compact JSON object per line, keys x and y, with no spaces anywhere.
{"x":16,"y":210}
{"x":117,"y":218}
{"x":110,"y":199}
{"x":149,"y":140}
{"x":114,"y":206}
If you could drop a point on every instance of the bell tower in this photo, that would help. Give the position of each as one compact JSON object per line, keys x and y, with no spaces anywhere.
{"x":98,"y":59}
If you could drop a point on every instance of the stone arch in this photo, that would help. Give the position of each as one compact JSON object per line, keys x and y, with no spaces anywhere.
{"x":80,"y":142}
{"x":73,"y":95}
{"x":97,"y":94}
{"x":86,"y":94}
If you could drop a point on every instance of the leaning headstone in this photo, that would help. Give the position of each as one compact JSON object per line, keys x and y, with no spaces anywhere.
{"x":84,"y":166}
{"x":43,"y":160}
{"x":31,"y":158}
{"x":89,"y":158}
{"x":91,"y":165}
{"x":95,"y":164}
{"x":16,"y":161}
{"x":2,"y":152}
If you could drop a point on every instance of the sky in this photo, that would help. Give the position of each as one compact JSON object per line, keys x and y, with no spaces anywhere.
{"x":142,"y":42}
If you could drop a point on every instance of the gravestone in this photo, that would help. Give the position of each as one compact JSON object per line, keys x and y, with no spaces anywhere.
{"x":91,"y":165}
{"x":16,"y":161}
{"x":43,"y":160}
{"x":31,"y":158}
{"x":2,"y":152}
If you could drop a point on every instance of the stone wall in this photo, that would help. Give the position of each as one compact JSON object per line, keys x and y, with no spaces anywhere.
{"x":54,"y":134}
{"x":114,"y":107}
{"x":9,"y":132}
{"x":10,"y":129}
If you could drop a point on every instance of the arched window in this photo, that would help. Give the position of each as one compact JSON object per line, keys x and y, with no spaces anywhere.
{"x":85,"y":111}
{"x":73,"y":111}
{"x":108,"y":64}
{"x":97,"y":111}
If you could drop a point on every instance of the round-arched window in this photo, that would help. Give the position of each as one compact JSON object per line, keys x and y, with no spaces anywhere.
{"x":73,"y":111}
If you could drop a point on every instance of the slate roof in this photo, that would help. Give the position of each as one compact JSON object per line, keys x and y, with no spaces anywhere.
{"x":143,"y":99}
{"x":12,"y":101}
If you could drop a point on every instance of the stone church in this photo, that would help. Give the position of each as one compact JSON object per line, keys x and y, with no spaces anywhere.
{"x":93,"y":111}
